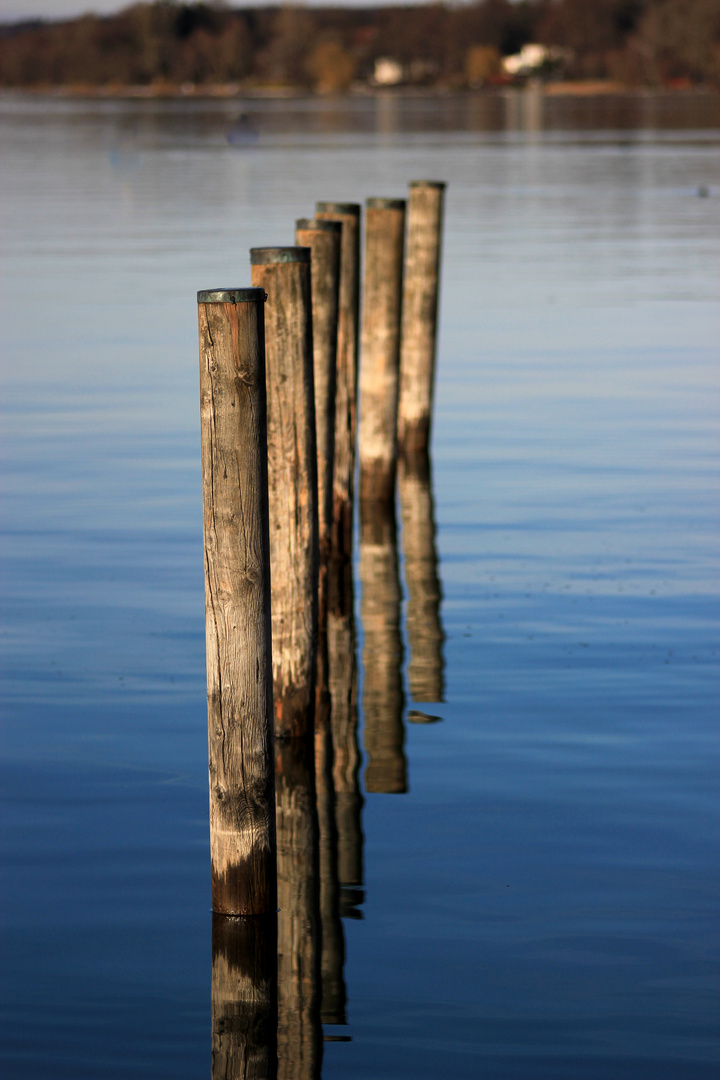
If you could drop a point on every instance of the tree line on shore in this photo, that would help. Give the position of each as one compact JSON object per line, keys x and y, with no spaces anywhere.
{"x":331,"y":49}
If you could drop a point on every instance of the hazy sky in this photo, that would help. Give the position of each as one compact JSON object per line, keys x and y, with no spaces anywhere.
{"x":11,"y":10}
{"x":56,"y":9}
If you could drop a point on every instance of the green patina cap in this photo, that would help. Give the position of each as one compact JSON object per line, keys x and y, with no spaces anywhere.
{"x":317,"y":223}
{"x":338,"y":208}
{"x":439,"y":184}
{"x":385,"y":204}
{"x":268,"y":256}
{"x":231,"y":296}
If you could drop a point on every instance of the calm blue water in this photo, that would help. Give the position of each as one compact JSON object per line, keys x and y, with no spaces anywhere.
{"x":542,"y":902}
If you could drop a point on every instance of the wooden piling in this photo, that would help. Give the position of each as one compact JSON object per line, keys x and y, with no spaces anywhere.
{"x":284,"y":274}
{"x":420,"y":294}
{"x":324,"y":239}
{"x":237,"y":600}
{"x":348,"y":342}
{"x":419,"y":317}
{"x":380,"y":347}
{"x":244,"y":998}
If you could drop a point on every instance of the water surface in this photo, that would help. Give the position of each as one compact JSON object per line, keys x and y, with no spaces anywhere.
{"x":538,"y":890}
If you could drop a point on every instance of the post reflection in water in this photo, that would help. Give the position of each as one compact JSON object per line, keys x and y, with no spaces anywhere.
{"x":343,"y":671}
{"x":275,"y":984}
{"x":244,"y":998}
{"x":333,"y":944}
{"x":299,"y":1033}
{"x":424,"y":629}
{"x":383,"y":698}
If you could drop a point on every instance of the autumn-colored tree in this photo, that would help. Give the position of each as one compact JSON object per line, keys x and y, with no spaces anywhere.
{"x":681,"y":39}
{"x":482,"y":64}
{"x":330,"y":67}
{"x":326,"y":48}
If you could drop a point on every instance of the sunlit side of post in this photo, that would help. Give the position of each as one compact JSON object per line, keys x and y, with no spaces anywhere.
{"x":419,"y":318}
{"x":237,"y":600}
{"x":284,"y":274}
{"x":380,"y":347}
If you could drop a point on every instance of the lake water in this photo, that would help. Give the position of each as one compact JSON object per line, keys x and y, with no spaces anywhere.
{"x":541,"y":900}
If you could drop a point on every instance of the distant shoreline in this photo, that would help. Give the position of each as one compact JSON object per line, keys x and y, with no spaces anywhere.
{"x":230,"y":91}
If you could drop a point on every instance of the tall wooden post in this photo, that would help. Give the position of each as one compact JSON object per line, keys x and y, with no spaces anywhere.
{"x":324,"y":238}
{"x":244,"y":998}
{"x":419,"y":319}
{"x":380,"y":348}
{"x":237,"y":600}
{"x":284,"y":274}
{"x":347,"y":370}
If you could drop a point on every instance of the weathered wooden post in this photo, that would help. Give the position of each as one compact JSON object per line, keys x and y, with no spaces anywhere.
{"x":383,"y":698}
{"x":348,"y":341}
{"x":424,"y":629}
{"x":380,"y":348}
{"x":284,"y":274}
{"x":324,"y":238}
{"x":419,"y":318}
{"x":237,"y":601}
{"x":244,"y":998}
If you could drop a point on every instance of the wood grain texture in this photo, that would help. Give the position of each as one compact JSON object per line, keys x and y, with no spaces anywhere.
{"x":424,"y":629}
{"x":299,"y":935}
{"x":419,"y":318}
{"x":383,"y":698}
{"x":237,"y":607}
{"x":292,"y":486}
{"x":380,"y":347}
{"x":343,"y":680}
{"x":244,"y":998}
{"x":348,"y":348}
{"x":324,"y":238}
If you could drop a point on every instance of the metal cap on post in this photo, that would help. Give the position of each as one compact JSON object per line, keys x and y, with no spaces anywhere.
{"x":311,"y":224}
{"x":272,"y":256}
{"x":231,"y":296}
{"x":385,"y":204}
{"x":324,"y":207}
{"x":237,"y":600}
